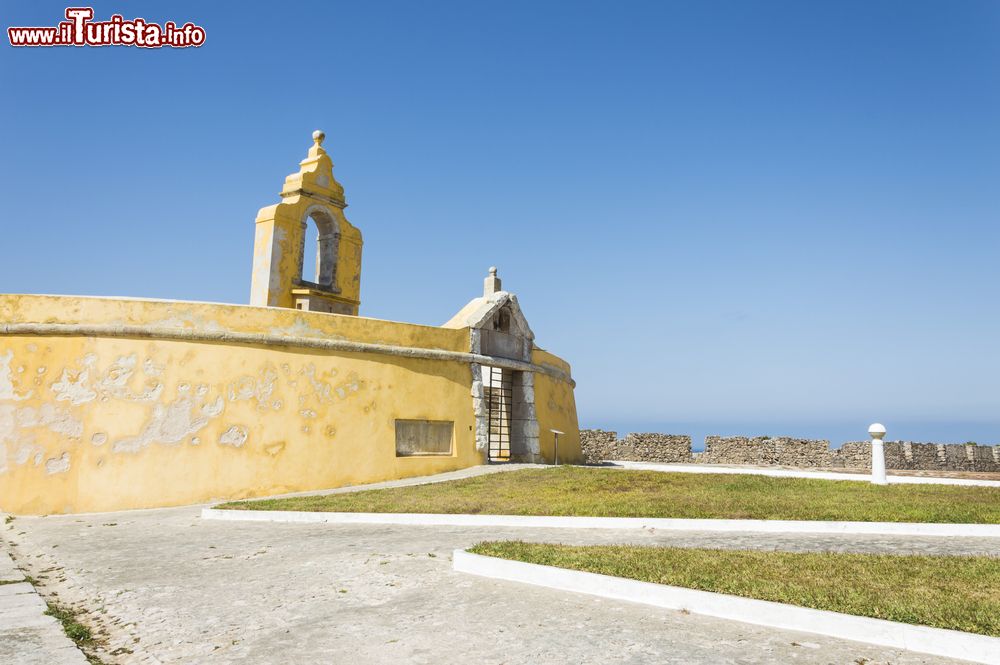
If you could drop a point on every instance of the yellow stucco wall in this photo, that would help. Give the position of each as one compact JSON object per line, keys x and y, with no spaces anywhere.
{"x":95,"y":423}
{"x":555,"y":408}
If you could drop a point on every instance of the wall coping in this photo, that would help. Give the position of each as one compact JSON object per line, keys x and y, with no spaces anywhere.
{"x":269,"y":339}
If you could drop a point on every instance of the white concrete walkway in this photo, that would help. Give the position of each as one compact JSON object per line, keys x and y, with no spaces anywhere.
{"x":164,"y":586}
{"x":27,"y":635}
{"x":793,"y":473}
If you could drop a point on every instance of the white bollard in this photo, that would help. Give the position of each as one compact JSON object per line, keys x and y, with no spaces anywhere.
{"x":877,"y":431}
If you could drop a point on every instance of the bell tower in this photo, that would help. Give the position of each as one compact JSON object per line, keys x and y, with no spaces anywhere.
{"x":310,"y":196}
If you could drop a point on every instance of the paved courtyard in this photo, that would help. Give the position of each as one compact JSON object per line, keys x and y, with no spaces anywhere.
{"x":164,"y":586}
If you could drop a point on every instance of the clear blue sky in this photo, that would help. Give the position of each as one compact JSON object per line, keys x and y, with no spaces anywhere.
{"x":770,"y":217}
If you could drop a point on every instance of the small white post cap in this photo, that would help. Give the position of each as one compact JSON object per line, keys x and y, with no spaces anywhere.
{"x":876,"y":430}
{"x":555,"y":431}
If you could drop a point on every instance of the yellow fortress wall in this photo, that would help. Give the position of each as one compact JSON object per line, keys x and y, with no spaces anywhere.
{"x":113,"y":403}
{"x":109,"y":404}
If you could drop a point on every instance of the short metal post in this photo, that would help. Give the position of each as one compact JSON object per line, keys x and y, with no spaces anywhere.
{"x":877,"y":432}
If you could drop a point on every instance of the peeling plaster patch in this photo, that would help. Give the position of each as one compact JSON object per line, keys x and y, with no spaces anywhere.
{"x":7,"y":423}
{"x":171,"y":423}
{"x":235,"y":436}
{"x":330,"y":431}
{"x":351,"y":385}
{"x":259,"y":389}
{"x":6,"y":384}
{"x":114,"y":382}
{"x":202,"y":389}
{"x":302,"y":329}
{"x":38,"y":458}
{"x":149,"y":368}
{"x":57,"y":465}
{"x":99,"y":439}
{"x":72,"y":387}
{"x":192,"y":322}
{"x":151,"y":394}
{"x":58,"y":420}
{"x":118,"y":374}
{"x":307,"y":413}
{"x":42,"y":369}
{"x":24,"y":454}
{"x":195,"y":441}
{"x":320,"y":388}
{"x":274,"y":448}
{"x":215,"y":408}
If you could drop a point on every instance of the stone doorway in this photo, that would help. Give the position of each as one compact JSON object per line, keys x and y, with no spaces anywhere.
{"x":498,"y":394}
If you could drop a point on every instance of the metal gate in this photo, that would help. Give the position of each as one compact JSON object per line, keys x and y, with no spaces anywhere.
{"x":498,"y":388}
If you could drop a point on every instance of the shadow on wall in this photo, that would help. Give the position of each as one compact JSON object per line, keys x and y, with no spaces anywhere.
{"x":600,"y":445}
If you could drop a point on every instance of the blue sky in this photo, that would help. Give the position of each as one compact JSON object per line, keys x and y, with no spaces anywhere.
{"x":760,"y":217}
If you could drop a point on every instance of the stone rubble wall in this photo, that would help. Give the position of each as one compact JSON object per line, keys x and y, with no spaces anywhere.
{"x":766,"y":451}
{"x":599,"y":445}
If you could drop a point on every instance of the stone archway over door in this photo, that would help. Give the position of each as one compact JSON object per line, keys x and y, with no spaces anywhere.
{"x":507,"y":429}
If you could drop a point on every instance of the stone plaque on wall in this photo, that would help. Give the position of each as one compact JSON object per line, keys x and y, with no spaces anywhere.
{"x":423,"y":437}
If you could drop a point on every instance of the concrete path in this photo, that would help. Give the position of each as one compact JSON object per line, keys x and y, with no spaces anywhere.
{"x":27,"y":635}
{"x":166,"y":587}
{"x":793,"y":473}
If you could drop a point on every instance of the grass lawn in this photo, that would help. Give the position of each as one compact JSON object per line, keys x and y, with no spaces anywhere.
{"x":959,"y":593}
{"x":569,"y":490}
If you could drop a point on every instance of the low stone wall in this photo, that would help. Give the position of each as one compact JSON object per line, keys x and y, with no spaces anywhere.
{"x":766,"y":451}
{"x":911,"y":455}
{"x":598,"y":445}
{"x":806,"y":453}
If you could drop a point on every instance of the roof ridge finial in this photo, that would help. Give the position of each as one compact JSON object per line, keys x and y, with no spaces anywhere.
{"x":317,"y":147}
{"x":491,"y":284}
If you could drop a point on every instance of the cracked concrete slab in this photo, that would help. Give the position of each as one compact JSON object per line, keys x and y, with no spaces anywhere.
{"x":163,"y":586}
{"x":27,"y":635}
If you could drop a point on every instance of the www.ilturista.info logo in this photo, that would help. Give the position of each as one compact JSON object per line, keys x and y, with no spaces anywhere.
{"x":80,"y":30}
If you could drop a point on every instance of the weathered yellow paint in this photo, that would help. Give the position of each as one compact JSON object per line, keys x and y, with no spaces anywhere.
{"x":555,"y":408}
{"x":94,"y":423}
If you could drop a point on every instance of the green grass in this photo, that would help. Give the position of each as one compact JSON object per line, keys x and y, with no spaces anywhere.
{"x":958,"y":593}
{"x":571,"y":490}
{"x":75,"y":630}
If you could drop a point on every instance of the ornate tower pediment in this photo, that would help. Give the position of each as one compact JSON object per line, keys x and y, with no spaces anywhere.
{"x":310,"y":196}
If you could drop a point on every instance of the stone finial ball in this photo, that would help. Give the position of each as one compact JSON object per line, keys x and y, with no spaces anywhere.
{"x":318,"y":136}
{"x":493,"y":271}
{"x":877,"y":430}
